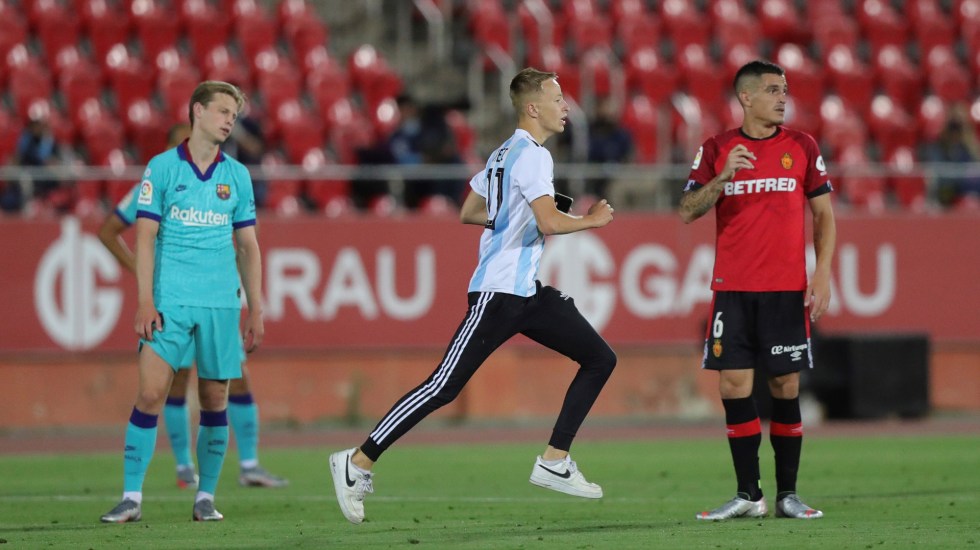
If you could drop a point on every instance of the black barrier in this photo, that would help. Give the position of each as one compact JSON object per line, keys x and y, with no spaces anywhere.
{"x":871,"y":376}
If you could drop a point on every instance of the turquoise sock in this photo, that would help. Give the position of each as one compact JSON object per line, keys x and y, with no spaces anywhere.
{"x":212,"y":444}
{"x":141,"y":440}
{"x":178,"y":429}
{"x":243,"y":414}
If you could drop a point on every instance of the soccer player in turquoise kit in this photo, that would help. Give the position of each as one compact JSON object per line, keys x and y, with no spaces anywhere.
{"x":195,"y":233}
{"x":243,"y":413}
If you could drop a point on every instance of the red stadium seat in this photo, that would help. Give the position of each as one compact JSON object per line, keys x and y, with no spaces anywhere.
{"x":864,"y":192}
{"x":385,"y":119}
{"x":256,"y":32}
{"x":464,"y":135}
{"x":641,"y":119}
{"x":279,"y":84}
{"x":156,"y":27}
{"x":100,"y":135}
{"x":947,"y":77}
{"x":909,"y":184}
{"x":890,"y":126}
{"x":27,"y":83}
{"x":78,"y":84}
{"x":684,"y":24}
{"x":13,"y":31}
{"x":780,"y":22}
{"x":372,"y":76}
{"x":568,"y":73}
{"x":331,"y":197}
{"x":932,"y":115}
{"x":299,"y":131}
{"x":348,"y":130}
{"x":146,"y":128}
{"x":221,"y":64}
{"x":841,"y":127}
{"x":828,"y":33}
{"x":176,"y":87}
{"x":207,"y":27}
{"x":701,"y":76}
{"x":638,"y":31}
{"x":130,"y":79}
{"x":881,"y":24}
{"x":539,"y":28}
{"x":327,"y":84}
{"x":486,"y":21}
{"x":733,"y":24}
{"x":55,"y":27}
{"x":596,"y":69}
{"x":930,"y":25}
{"x":804,"y":76}
{"x":734,"y":58}
{"x":304,"y":34}
{"x":622,"y":11}
{"x":105,"y":24}
{"x":650,"y":75}
{"x":282,"y":195}
{"x":899,"y":77}
{"x":850,"y":78}
{"x":10,"y":128}
{"x":589,"y":31}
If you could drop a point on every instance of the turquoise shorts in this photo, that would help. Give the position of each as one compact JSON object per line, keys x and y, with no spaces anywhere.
{"x":207,"y":336}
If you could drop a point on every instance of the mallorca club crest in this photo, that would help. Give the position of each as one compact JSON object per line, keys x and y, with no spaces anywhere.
{"x":224,"y":191}
{"x":716,"y":349}
{"x":786,"y":161}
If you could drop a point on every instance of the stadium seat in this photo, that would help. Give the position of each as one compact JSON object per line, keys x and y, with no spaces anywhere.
{"x":841,"y":127}
{"x":464,"y":135}
{"x":348,"y":130}
{"x":105,"y":25}
{"x":55,"y":27}
{"x":649,"y":74}
{"x":539,"y":29}
{"x":13,"y":31}
{"x":828,"y":33}
{"x":372,"y":76}
{"x":641,"y":119}
{"x":146,"y":128}
{"x":733,"y":24}
{"x":863,"y":192}
{"x":625,"y":10}
{"x":947,"y":77}
{"x":933,"y":113}
{"x":385,"y":118}
{"x":176,"y":87}
{"x":486,"y":21}
{"x":221,"y":64}
{"x":780,"y":22}
{"x":899,"y":77}
{"x":684,"y":24}
{"x":299,"y":131}
{"x":701,"y":76}
{"x":803,"y":75}
{"x":328,"y":196}
{"x":129,"y":78}
{"x":304,"y":33}
{"x":27,"y":83}
{"x":206,"y":26}
{"x":930,"y":25}
{"x":598,"y":68}
{"x":101,"y":134}
{"x":79,"y":83}
{"x":891,"y":126}
{"x":588,"y":31}
{"x":909,"y":184}
{"x":734,"y":58}
{"x":850,"y":78}
{"x":881,"y":24}
{"x":638,"y":31}
{"x":278,"y":85}
{"x":569,"y":77}
{"x":327,"y":84}
{"x":255,"y":32}
{"x":156,"y":27}
{"x":10,"y":128}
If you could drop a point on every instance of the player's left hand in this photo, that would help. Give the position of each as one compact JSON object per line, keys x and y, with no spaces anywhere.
{"x":253,"y":331}
{"x":817,"y":296}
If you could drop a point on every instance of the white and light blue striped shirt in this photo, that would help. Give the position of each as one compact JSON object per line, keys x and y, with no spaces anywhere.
{"x":517,"y":173}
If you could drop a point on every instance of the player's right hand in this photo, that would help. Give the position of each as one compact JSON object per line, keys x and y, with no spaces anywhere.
{"x":601,"y":213}
{"x":148,"y":319}
{"x":738,"y":158}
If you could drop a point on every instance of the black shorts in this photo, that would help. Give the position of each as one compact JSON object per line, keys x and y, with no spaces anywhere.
{"x":764,"y":330}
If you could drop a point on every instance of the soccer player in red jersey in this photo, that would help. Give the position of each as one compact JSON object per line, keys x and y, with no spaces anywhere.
{"x":758,"y":178}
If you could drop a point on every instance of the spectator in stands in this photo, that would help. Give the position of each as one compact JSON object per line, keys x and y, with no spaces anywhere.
{"x":247,"y":144}
{"x":957,"y":143}
{"x":424,"y":137}
{"x":609,"y":142}
{"x":36,"y":147}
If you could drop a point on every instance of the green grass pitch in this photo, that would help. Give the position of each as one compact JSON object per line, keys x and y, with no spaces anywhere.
{"x":887,"y":492}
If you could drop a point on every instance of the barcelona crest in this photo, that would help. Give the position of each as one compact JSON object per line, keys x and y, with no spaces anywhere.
{"x":716,"y":349}
{"x":224,"y":191}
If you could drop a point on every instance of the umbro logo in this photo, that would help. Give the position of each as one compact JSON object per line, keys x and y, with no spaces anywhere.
{"x":564,"y":475}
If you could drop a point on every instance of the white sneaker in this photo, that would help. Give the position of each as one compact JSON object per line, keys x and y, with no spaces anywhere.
{"x":350,"y":484}
{"x":737,"y":507}
{"x":564,"y":478}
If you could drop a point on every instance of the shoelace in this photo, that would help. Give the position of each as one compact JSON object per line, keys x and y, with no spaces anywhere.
{"x":362,"y":486}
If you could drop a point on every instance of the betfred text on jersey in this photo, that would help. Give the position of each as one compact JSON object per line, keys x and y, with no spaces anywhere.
{"x":193,"y":216}
{"x":764,"y":185}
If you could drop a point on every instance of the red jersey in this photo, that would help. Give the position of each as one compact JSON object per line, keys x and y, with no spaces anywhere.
{"x":760,"y":234}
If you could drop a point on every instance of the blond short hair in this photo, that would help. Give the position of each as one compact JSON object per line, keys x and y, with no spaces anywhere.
{"x":528,"y":81}
{"x":205,"y":92}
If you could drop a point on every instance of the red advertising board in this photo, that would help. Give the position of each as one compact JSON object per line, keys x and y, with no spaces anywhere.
{"x":355,"y":283}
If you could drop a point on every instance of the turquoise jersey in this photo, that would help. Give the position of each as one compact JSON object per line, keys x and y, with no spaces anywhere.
{"x":195,"y":254}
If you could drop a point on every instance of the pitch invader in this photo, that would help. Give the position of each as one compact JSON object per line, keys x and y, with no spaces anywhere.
{"x":759,"y":178}
{"x":195,"y":234}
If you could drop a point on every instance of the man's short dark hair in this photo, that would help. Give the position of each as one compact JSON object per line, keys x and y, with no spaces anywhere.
{"x":756,"y":69}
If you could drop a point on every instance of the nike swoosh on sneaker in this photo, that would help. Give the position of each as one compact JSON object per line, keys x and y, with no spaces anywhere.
{"x":564,"y":475}
{"x":350,"y":482}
